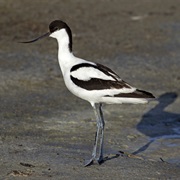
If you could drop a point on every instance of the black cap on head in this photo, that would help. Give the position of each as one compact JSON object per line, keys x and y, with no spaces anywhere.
{"x":57,"y":25}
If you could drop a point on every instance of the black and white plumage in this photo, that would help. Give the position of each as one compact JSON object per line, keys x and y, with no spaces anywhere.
{"x":92,"y":82}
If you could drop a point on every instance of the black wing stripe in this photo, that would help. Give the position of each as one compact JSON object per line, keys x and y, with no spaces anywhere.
{"x":100,"y":67}
{"x":74,"y":68}
{"x":107,"y":71}
{"x":99,"y":84}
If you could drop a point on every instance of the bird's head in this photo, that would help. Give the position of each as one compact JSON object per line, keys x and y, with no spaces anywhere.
{"x":58,"y":30}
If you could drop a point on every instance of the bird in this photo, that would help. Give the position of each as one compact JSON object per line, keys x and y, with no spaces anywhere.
{"x":92,"y":82}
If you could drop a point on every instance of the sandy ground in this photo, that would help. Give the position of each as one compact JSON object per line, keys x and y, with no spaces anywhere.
{"x":46,"y":132}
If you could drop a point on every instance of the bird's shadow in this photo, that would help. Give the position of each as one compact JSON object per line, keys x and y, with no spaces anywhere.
{"x":158,"y":123}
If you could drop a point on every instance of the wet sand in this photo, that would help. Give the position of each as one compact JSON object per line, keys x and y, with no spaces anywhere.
{"x":46,"y":132}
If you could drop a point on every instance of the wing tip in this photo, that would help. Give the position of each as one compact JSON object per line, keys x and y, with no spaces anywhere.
{"x":136,"y":94}
{"x":145,"y":94}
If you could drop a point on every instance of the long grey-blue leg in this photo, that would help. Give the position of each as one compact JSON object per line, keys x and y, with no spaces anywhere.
{"x":99,"y":134}
{"x":102,"y":124}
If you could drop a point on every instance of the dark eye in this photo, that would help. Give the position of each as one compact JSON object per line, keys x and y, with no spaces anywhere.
{"x":55,"y":29}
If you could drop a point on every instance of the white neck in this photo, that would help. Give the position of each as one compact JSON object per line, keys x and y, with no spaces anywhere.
{"x":64,"y":57}
{"x":63,"y":45}
{"x":64,"y":53}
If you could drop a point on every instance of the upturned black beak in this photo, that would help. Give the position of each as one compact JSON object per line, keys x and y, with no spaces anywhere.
{"x":34,"y":40}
